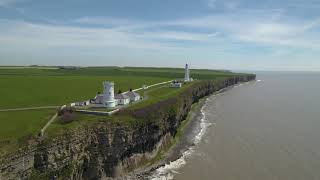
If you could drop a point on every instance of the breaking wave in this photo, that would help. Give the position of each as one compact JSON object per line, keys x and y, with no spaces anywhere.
{"x":168,"y":171}
{"x":203,"y":124}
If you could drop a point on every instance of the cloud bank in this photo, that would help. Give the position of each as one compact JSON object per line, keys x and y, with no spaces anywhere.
{"x":232,"y":33}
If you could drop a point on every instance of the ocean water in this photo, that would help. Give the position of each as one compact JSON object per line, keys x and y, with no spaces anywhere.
{"x":263,"y":130}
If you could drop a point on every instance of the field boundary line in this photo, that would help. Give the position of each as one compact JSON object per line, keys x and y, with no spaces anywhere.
{"x":28,"y":108}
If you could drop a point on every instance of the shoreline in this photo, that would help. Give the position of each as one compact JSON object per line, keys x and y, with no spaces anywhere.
{"x":181,"y":144}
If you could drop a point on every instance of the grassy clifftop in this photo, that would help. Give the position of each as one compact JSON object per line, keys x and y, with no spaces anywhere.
{"x":33,"y":87}
{"x":161,"y":101}
{"x":122,"y":141}
{"x":119,"y":141}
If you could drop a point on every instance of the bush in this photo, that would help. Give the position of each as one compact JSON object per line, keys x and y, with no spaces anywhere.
{"x":66,"y":114}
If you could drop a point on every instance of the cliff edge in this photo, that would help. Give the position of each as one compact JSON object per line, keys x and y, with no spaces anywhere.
{"x":110,"y":149}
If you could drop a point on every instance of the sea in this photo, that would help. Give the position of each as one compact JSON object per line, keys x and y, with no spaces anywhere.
{"x":268,"y":129}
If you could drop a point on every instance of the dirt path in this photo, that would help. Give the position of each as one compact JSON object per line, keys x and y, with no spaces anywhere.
{"x":48,"y":123}
{"x":152,"y":85}
{"x":28,"y":108}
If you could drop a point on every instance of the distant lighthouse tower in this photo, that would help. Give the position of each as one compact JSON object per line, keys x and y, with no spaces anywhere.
{"x":186,"y":74}
{"x":108,"y":94}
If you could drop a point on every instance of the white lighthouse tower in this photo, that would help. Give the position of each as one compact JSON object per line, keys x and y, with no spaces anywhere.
{"x":186,"y":74}
{"x":108,"y":94}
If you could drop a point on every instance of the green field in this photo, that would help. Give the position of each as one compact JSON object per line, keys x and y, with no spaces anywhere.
{"x":157,"y":94}
{"x":34,"y":87}
{"x":44,"y":87}
{"x":153,"y":95}
{"x":18,"y":127}
{"x":28,"y":91}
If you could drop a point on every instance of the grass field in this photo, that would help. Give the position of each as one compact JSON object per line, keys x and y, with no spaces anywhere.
{"x":28,"y":91}
{"x":154,"y":95}
{"x":158,"y":94}
{"x":33,"y":87}
{"x":16,"y":127}
{"x":41,"y":87}
{"x":170,"y":73}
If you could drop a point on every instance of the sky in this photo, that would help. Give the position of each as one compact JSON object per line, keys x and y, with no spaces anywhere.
{"x":211,"y":34}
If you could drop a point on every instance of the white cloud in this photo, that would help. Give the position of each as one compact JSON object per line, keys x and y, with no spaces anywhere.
{"x":274,"y":33}
{"x":230,"y":5}
{"x":212,"y":3}
{"x":54,"y":36}
{"x":9,"y":3}
{"x":256,"y":27}
{"x":306,"y":5}
{"x":5,"y":3}
{"x":226,"y":4}
{"x":41,"y":36}
{"x":213,"y":34}
{"x":175,"y":35}
{"x":103,"y":20}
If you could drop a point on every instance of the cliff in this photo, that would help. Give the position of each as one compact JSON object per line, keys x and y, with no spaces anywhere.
{"x":110,"y":149}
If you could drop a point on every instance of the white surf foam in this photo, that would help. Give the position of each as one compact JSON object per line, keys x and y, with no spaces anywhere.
{"x":203,"y":124}
{"x":168,"y":171}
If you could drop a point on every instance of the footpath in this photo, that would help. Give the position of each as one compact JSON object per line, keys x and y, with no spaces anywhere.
{"x":82,"y":111}
{"x":29,"y":108}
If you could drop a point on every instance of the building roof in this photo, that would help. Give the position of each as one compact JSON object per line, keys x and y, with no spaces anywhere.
{"x":176,"y":82}
{"x":99,"y":98}
{"x":132,"y":94}
{"x":121,"y":96}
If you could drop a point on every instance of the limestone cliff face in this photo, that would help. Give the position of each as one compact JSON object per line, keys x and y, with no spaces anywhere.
{"x":108,"y":149}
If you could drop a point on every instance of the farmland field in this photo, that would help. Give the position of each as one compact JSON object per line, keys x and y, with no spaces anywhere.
{"x":28,"y":91}
{"x":42,"y":87}
{"x":159,"y":93}
{"x":18,"y":126}
{"x":50,"y":86}
{"x":152,"y":95}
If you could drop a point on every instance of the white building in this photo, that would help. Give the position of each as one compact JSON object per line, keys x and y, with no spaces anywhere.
{"x":176,"y":84}
{"x":98,"y":99}
{"x":133,"y":96}
{"x":109,"y":99}
{"x":187,"y":74}
{"x":122,"y":99}
{"x":108,"y":94}
{"x":81,"y":103}
{"x":105,"y":99}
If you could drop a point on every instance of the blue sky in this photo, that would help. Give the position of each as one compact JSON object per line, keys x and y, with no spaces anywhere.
{"x":215,"y":34}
